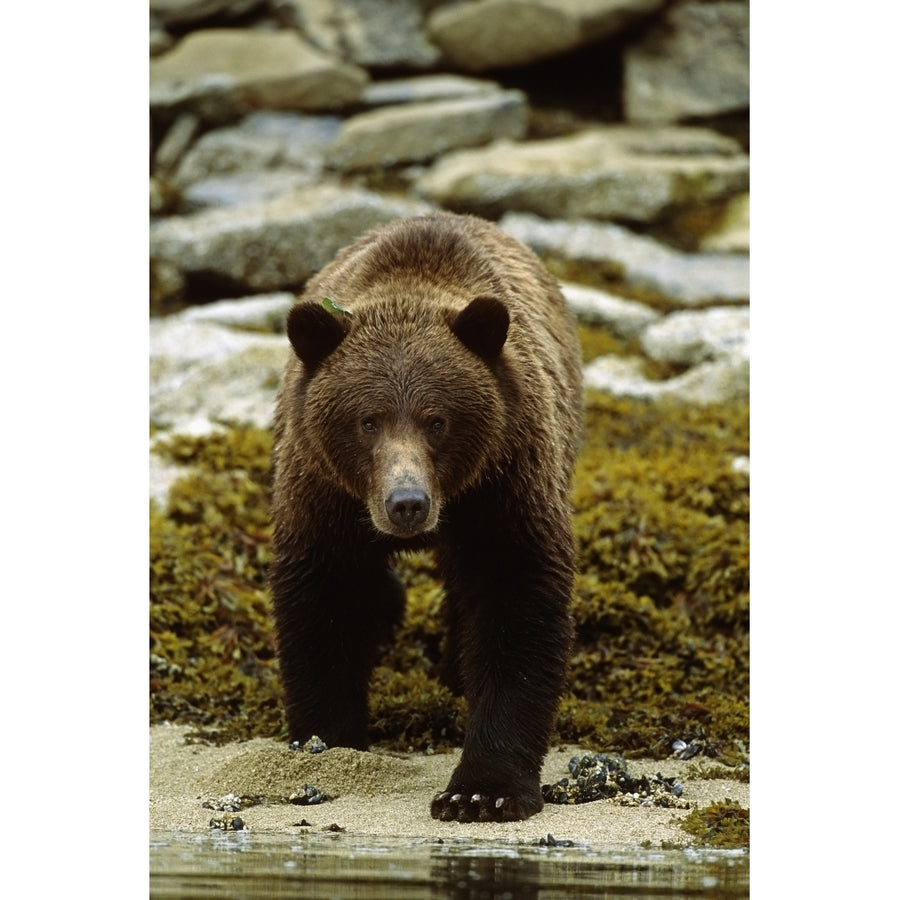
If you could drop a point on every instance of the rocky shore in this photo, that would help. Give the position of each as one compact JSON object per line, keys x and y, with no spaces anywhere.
{"x":281,"y":130}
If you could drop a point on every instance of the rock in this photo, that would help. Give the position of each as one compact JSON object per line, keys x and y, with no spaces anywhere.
{"x":615,"y":172}
{"x":181,"y":12}
{"x":371,"y":33}
{"x":696,"y":62}
{"x":258,"y":313}
{"x":494,"y":33}
{"x":713,"y":342}
{"x":205,"y":374}
{"x":636,"y":260}
{"x":277,"y":244}
{"x":694,"y":337}
{"x":425,"y":89}
{"x":244,"y":188}
{"x":732,"y":234}
{"x":222,"y":73}
{"x":173,"y":146}
{"x":623,"y":318}
{"x":262,"y":140}
{"x":420,"y":131}
{"x":713,"y":382}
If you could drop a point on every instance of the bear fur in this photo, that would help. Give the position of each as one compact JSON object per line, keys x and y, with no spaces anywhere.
{"x":434,"y":401}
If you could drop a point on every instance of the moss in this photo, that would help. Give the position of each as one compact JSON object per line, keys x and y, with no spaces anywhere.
{"x":661,"y":600}
{"x":211,"y":639}
{"x":722,"y":825}
{"x":597,"y":341}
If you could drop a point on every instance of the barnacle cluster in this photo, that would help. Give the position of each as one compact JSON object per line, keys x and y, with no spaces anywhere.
{"x":601,"y":776}
{"x":661,"y":600}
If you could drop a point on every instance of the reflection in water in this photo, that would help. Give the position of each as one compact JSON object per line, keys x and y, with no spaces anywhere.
{"x":244,"y":864}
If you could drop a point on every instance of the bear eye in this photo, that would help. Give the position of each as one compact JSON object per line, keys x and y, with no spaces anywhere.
{"x":369,"y":425}
{"x":437,"y":425}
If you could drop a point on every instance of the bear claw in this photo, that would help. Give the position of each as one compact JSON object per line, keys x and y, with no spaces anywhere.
{"x":476,"y":808}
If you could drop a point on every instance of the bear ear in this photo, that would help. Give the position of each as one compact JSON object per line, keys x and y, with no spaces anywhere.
{"x":482,"y":326}
{"x":314,"y":333}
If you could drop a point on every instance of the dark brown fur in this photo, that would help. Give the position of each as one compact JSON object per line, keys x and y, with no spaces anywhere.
{"x":445,"y":412}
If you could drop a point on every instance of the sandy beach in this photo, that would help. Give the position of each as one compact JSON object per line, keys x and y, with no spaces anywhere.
{"x":380,"y":794}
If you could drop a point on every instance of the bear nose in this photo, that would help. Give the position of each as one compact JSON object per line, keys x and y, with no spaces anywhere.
{"x":407,"y":508}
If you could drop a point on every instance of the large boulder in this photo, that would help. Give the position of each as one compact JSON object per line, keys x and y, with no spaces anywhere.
{"x":636,"y":260}
{"x":225,"y":72}
{"x":215,"y":366}
{"x":421,"y":131}
{"x":613,"y":172}
{"x":276,"y":244}
{"x":696,"y":62}
{"x":492,"y":33}
{"x":262,"y":140}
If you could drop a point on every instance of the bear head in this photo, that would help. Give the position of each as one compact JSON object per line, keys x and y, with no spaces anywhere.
{"x":402,"y":401}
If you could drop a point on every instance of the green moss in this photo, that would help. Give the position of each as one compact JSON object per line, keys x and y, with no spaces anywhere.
{"x":597,"y":341}
{"x":661,"y":600}
{"x":722,"y":825}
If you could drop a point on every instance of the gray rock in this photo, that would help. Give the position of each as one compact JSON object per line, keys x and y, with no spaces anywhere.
{"x":623,"y":318}
{"x":222,"y":73}
{"x":493,"y":33}
{"x":620,"y":173}
{"x":243,"y":188}
{"x":269,"y":246}
{"x":213,"y":367}
{"x":720,"y":381}
{"x":696,"y":62}
{"x":415,"y":132}
{"x":639,"y":261}
{"x":204,"y":375}
{"x":262,"y":140}
{"x":371,"y":33}
{"x":265,"y":313}
{"x":714,"y":343}
{"x":694,"y":337}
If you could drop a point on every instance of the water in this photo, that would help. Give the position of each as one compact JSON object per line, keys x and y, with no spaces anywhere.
{"x":245,"y":864}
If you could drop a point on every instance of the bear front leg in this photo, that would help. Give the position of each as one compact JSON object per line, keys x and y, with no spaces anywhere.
{"x":513,"y":636}
{"x":330,"y":625}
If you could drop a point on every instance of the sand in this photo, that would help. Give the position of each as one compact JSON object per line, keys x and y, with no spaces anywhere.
{"x":387,"y":795}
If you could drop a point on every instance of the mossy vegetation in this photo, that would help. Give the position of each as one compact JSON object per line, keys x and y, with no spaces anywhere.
{"x":661,"y":600}
{"x":722,"y":825}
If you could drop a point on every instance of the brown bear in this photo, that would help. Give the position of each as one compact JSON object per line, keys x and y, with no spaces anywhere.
{"x":433,"y":399}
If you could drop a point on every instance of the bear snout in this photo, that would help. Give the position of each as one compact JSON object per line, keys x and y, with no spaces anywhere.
{"x":407,"y":509}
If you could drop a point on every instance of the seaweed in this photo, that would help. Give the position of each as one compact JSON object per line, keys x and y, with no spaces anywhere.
{"x":661,"y":599}
{"x":722,"y":825}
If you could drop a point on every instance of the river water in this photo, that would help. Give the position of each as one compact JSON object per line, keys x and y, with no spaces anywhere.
{"x":257,"y":865}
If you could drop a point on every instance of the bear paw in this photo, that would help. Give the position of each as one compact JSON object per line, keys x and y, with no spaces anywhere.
{"x":450,"y":807}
